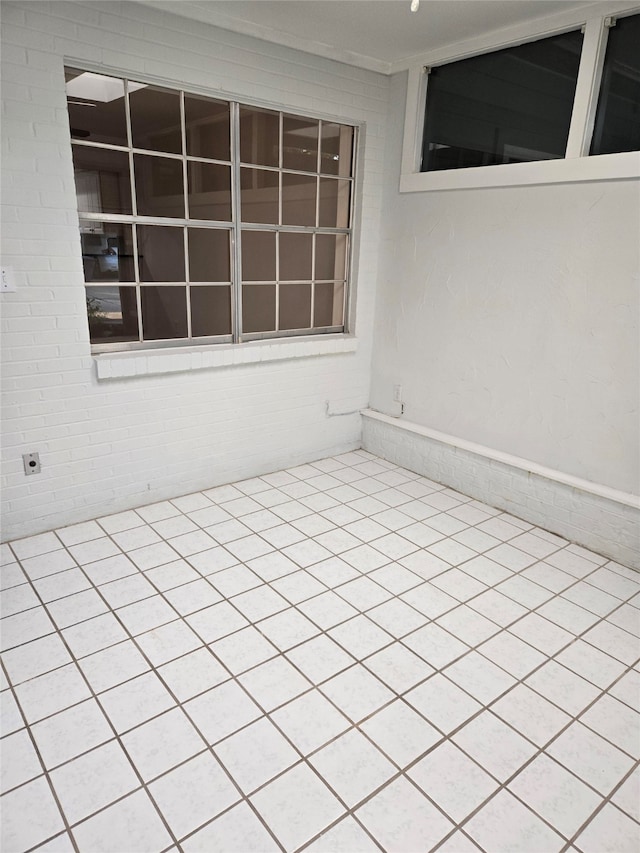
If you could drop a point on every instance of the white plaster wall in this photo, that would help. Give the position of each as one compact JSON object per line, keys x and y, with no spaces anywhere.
{"x":108,"y":445}
{"x":510,"y":317}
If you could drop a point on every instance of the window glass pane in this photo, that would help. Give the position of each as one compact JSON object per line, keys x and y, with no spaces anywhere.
{"x":259,"y":196}
{"x":164,"y":312}
{"x":617,"y":125}
{"x":155,"y":119}
{"x":509,"y":106}
{"x":336,"y":149}
{"x":300,"y":143}
{"x":295,"y":256}
{"x":259,"y":136}
{"x":258,"y":256}
{"x":208,"y":255}
{"x":207,"y":123}
{"x":159,"y":186}
{"x":96,"y":107}
{"x":298,"y":199}
{"x":210,"y":311}
{"x":258,"y":307}
{"x":209,"y":191}
{"x":160,"y":253}
{"x":335,"y":198}
{"x":328,"y":304}
{"x":113,"y":314}
{"x":295,"y":306}
{"x":107,"y":252}
{"x":331,"y":252}
{"x":102,"y":180}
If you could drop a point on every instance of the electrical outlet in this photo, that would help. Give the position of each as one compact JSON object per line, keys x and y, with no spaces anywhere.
{"x":397,"y":393}
{"x":8,"y":282}
{"x":31,"y":463}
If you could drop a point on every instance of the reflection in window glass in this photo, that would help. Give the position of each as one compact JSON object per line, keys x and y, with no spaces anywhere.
{"x":328,"y":304}
{"x":159,"y":186}
{"x":331,"y":253}
{"x":299,"y":144}
{"x":298,"y":199}
{"x":258,"y":307}
{"x":160,"y":253}
{"x":209,"y":191}
{"x":107,"y":252}
{"x":155,"y":119}
{"x":336,"y":150}
{"x":509,"y":106}
{"x":164,"y":312}
{"x":295,"y":256}
{"x":96,"y":107}
{"x":295,"y":306}
{"x":259,"y":137}
{"x":258,"y":255}
{"x":210,"y":311}
{"x":102,"y":180}
{"x":335,"y":200}
{"x":259,"y":196}
{"x":113,"y":314}
{"x":617,"y":125}
{"x":209,"y":255}
{"x":207,"y":124}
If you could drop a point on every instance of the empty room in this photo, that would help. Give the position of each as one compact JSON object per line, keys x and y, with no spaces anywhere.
{"x":320,"y":426}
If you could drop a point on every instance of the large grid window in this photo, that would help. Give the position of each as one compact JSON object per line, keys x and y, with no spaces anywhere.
{"x":204,"y":220}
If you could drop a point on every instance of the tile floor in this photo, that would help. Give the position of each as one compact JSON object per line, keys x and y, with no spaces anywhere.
{"x":339,"y":657}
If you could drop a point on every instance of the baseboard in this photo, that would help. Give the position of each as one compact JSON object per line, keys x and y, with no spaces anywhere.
{"x":597,"y":517}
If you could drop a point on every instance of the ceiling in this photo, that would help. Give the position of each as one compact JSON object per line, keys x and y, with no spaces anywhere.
{"x":381,"y":35}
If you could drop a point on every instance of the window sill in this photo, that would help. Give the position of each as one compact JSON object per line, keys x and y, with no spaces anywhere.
{"x":123,"y":365}
{"x":604,"y":167}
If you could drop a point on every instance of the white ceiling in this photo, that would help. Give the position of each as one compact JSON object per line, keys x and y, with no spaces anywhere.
{"x":381,"y":35}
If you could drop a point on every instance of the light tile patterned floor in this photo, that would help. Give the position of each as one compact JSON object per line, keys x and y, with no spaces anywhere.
{"x":339,"y":657}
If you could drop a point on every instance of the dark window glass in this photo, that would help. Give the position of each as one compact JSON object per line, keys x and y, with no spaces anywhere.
{"x":617,"y":125}
{"x":208,"y":255}
{"x":299,"y":144}
{"x":160,"y":253}
{"x":210,"y":311}
{"x":336,"y":149}
{"x":295,"y":256}
{"x":298,"y":199}
{"x":155,"y":119}
{"x":331,"y":252}
{"x":509,"y":106}
{"x":113,"y":314}
{"x":259,"y":196}
{"x":335,"y":198}
{"x":258,"y":307}
{"x":258,"y":255}
{"x":164,"y":312}
{"x":295,"y":306}
{"x":96,"y":107}
{"x":259,"y":137}
{"x":107,"y":252}
{"x":102,"y":180}
{"x":159,"y":186}
{"x":209,"y":191}
{"x":328,"y":304}
{"x":207,"y":124}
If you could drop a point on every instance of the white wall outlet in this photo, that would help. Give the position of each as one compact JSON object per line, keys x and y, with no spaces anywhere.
{"x":31,"y":463}
{"x":8,"y":280}
{"x":397,"y":393}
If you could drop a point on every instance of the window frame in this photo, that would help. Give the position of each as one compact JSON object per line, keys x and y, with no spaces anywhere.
{"x":577,"y":165}
{"x":235,"y":225}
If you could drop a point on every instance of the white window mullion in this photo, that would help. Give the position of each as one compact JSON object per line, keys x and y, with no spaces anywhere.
{"x":585,"y":102}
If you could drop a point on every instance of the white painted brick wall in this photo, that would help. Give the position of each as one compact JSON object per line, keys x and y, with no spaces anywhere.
{"x":605,"y":526}
{"x":109,"y":445}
